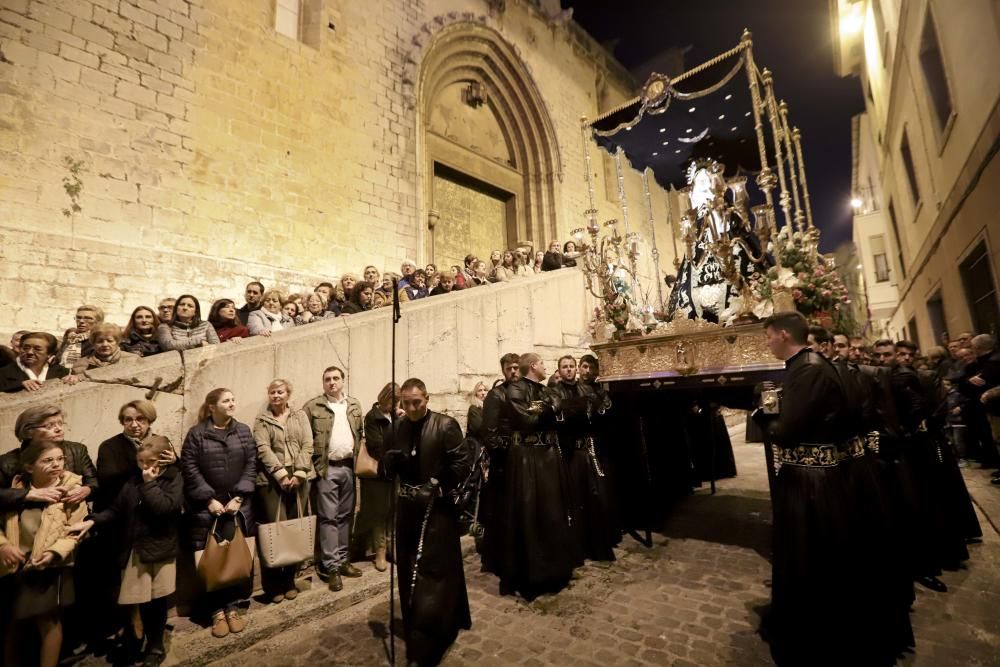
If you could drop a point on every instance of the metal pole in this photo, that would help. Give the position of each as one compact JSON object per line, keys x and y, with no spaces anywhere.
{"x":652,"y":230}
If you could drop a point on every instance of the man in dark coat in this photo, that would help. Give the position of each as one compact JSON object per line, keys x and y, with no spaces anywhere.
{"x":497,"y":428}
{"x":430,"y":458}
{"x":535,"y":559}
{"x":824,"y":566}
{"x":588,"y":492}
{"x":254,"y":296}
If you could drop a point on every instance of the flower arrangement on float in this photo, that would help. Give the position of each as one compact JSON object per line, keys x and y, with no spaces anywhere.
{"x":814,"y":285}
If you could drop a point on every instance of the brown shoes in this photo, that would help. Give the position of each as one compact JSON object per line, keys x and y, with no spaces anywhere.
{"x":220,"y":628}
{"x":236,"y":622}
{"x":380,"y":563}
{"x":291,"y":594}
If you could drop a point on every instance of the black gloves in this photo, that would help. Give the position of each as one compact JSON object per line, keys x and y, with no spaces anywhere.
{"x":393,"y":462}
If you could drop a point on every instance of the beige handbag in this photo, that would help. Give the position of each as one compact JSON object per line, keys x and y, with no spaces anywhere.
{"x":287,"y":541}
{"x":222,"y":564}
{"x":364,"y":465}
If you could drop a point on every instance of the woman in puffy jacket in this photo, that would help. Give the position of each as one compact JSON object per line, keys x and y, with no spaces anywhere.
{"x":219,"y":464}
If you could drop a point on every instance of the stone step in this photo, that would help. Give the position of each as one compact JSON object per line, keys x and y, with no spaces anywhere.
{"x":192,"y":645}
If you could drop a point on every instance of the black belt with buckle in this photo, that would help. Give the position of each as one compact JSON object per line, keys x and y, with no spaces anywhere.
{"x":540,"y":439}
{"x":342,"y":463}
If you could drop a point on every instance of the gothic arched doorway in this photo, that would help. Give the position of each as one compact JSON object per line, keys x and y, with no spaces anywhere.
{"x":487,"y":149}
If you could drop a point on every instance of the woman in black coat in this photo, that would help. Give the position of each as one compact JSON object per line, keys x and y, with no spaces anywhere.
{"x":143,"y":517}
{"x":375,"y":493}
{"x":219,"y":462}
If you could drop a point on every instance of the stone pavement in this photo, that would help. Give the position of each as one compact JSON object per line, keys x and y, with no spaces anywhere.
{"x":692,"y":599}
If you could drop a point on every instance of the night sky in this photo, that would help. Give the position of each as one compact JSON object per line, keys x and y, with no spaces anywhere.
{"x":791,"y":38}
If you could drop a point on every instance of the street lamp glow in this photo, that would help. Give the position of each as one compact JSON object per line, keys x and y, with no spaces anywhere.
{"x":856,"y":203}
{"x":853,"y":21}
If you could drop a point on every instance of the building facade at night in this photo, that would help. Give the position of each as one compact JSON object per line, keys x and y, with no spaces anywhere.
{"x":926,"y":172}
{"x":217,"y":142}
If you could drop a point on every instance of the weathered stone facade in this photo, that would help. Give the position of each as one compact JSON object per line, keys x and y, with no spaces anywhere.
{"x":217,"y":150}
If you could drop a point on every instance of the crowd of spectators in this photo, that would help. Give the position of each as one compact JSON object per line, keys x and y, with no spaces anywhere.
{"x":962,"y":383}
{"x":179,"y":323}
{"x":110,"y":534}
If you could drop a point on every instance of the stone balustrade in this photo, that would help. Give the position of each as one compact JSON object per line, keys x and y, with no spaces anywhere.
{"x":450,"y":342}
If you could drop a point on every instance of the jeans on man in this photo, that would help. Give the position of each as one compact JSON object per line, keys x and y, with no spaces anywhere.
{"x":334,"y":508}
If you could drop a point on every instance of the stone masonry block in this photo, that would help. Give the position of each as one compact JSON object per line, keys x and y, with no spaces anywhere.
{"x":433,"y":342}
{"x":93,"y":33}
{"x":50,"y":16}
{"x":371,"y":353}
{"x":162,"y":372}
{"x":140,"y":16}
{"x":245,"y":367}
{"x":514,"y":315}
{"x":151,"y":38}
{"x":477,"y":329}
{"x":302,"y":353}
{"x":130,"y":92}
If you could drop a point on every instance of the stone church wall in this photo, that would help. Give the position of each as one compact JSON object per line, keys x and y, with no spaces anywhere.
{"x":450,"y":342}
{"x":216,"y":150}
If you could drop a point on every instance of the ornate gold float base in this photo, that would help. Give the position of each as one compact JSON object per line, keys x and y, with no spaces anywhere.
{"x":687,"y":348}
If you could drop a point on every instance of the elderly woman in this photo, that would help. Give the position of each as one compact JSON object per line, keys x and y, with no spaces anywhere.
{"x":382,"y":296}
{"x":116,"y":455}
{"x":224,"y":319}
{"x":105,"y":341}
{"x":284,"y":471}
{"x":47,"y":423}
{"x":521,"y":263}
{"x":219,"y":464}
{"x":186,"y":330}
{"x":361,"y":299}
{"x":315,"y":310}
{"x":34,"y":365}
{"x":139,"y":336}
{"x":36,"y":547}
{"x":374,"y":491}
{"x":416,"y":288}
{"x":269,"y":318}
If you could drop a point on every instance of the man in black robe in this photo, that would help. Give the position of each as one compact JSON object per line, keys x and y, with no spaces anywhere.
{"x":588,"y":493}
{"x":534,"y":558}
{"x":430,"y":458}
{"x":825,"y":569}
{"x":496,"y":427}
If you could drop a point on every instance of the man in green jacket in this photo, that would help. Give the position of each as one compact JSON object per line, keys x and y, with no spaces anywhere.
{"x":337,"y":426}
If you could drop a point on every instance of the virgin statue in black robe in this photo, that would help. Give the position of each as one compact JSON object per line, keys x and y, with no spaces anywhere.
{"x":702,"y":290}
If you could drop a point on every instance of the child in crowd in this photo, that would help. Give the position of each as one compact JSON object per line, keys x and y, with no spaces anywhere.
{"x":148,"y":508}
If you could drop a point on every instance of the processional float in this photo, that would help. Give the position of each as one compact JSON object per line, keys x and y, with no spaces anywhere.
{"x":717,"y":136}
{"x":718,"y":140}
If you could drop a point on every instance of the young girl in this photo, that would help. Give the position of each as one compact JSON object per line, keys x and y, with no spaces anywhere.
{"x":148,"y":509}
{"x":36,"y":549}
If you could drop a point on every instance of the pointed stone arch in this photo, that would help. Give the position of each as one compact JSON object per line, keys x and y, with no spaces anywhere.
{"x":462,"y":48}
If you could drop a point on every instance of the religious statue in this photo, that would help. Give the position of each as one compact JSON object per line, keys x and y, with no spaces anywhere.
{"x":723,"y":258}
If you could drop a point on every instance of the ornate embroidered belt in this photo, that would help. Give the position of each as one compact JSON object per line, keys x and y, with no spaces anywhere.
{"x":540,"y":439}
{"x":820,"y":455}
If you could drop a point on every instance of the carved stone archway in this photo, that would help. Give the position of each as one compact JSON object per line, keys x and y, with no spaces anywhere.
{"x":461,"y":49}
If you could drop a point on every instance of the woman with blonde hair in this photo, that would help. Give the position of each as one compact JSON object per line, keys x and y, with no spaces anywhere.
{"x":284,"y":471}
{"x":219,"y":464}
{"x":105,"y":343}
{"x":474,"y":418}
{"x":269,"y":318}
{"x":36,"y":547}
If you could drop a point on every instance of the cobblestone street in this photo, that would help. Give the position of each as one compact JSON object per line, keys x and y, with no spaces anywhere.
{"x":691,"y":600}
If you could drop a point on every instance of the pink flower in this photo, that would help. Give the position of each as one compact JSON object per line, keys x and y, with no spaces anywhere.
{"x":797,"y":294}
